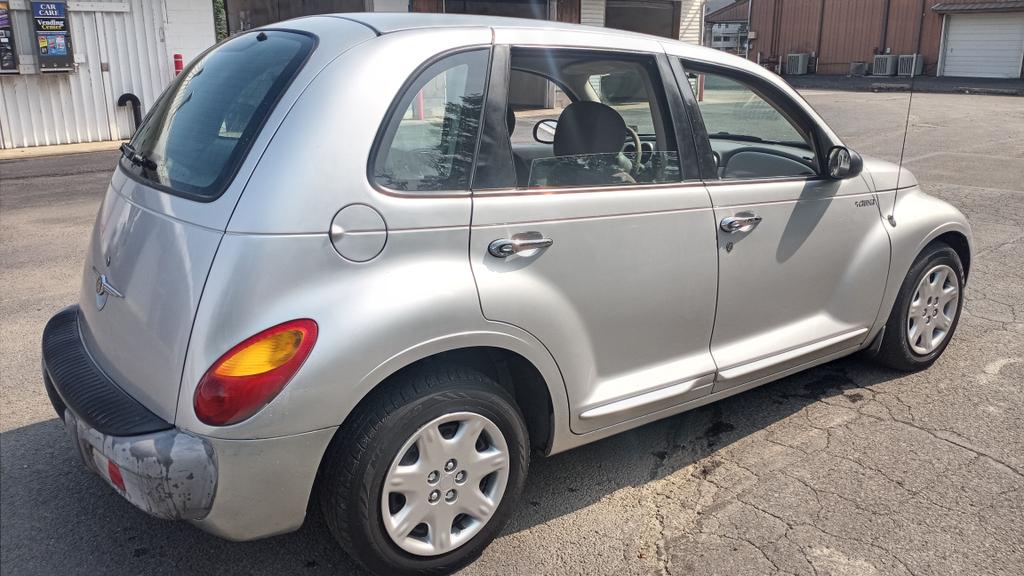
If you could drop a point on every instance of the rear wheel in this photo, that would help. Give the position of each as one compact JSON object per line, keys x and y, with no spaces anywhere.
{"x":426,"y":473}
{"x":926,"y":312}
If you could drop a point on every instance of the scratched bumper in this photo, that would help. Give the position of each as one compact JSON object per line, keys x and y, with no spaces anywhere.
{"x":235,"y":489}
{"x":168,"y":474}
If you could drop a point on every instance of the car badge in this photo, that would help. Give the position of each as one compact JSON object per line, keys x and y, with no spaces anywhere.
{"x":104,"y":289}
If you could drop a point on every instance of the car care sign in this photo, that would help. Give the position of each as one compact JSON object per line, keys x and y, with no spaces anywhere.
{"x":8,"y":55}
{"x":53,"y":36}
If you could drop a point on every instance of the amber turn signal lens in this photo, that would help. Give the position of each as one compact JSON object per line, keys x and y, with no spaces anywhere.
{"x":251,"y":374}
{"x":263,"y":355}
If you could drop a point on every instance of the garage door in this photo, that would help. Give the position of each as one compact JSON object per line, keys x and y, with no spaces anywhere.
{"x":984,"y":45}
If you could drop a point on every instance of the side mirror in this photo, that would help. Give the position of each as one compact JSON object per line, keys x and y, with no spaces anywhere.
{"x":544,"y":131}
{"x":843,"y":163}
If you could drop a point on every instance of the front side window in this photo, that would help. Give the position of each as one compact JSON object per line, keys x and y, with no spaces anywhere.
{"x":750,"y":136}
{"x":583,"y":119}
{"x":201,"y":128}
{"x":429,"y":142}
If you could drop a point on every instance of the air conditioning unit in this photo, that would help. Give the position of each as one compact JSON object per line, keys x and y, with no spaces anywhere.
{"x":858,"y":68}
{"x":796,"y":64}
{"x":910,"y":65}
{"x":884,"y":65}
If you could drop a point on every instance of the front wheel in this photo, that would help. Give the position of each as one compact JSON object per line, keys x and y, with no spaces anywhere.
{"x":426,"y":473}
{"x":926,"y":312}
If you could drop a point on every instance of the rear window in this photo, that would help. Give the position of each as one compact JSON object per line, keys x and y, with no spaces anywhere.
{"x":201,"y":128}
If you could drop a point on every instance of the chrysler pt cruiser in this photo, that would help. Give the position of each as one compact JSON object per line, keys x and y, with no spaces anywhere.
{"x":365,"y":266}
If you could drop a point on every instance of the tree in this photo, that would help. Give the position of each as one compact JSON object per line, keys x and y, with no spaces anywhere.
{"x":220,"y":20}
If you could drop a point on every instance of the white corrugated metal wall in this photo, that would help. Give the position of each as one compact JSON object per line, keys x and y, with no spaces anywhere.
{"x":690,"y":17}
{"x":592,"y":12}
{"x":120,"y":46}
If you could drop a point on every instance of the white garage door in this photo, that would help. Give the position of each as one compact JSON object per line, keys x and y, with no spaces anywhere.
{"x":984,"y":45}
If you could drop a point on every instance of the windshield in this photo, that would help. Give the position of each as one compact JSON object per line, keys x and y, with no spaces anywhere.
{"x":202,"y":126}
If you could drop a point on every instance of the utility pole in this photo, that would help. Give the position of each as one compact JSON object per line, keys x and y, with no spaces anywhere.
{"x":746,"y":45}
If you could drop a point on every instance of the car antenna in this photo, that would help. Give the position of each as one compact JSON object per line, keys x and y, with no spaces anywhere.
{"x":903,"y":147}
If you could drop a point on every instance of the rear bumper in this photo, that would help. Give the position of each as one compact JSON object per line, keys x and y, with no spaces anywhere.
{"x":166,"y":474}
{"x":163,"y":471}
{"x":235,"y":489}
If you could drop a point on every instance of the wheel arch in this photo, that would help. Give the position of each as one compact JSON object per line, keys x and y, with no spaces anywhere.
{"x":521,"y":366}
{"x":909,"y":239}
{"x":916,"y":221}
{"x":959,"y":243}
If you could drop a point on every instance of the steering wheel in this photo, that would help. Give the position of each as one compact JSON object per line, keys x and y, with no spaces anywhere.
{"x":637,"y":150}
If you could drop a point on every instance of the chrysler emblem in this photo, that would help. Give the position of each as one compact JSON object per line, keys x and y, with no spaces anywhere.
{"x":103,"y":290}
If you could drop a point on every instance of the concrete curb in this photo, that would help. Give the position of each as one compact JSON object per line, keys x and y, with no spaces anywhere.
{"x":923,"y":85}
{"x":951,"y":90}
{"x":59,"y":149}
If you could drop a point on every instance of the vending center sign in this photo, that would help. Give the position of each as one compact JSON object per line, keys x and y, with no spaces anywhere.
{"x":53,"y":36}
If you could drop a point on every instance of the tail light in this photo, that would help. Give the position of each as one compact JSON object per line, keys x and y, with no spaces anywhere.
{"x":251,"y":374}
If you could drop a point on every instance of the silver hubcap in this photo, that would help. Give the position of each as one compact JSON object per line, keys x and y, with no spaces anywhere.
{"x":445,"y":484}
{"x":933,"y":309}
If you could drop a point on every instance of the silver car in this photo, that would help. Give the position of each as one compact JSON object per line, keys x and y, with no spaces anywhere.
{"x":375,"y":262}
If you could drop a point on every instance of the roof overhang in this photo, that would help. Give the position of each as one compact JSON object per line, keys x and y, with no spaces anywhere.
{"x":975,"y":7}
{"x":735,"y":12}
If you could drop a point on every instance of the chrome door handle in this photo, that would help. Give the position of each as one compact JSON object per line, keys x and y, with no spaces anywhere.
{"x":505,"y":247}
{"x":734,"y":224}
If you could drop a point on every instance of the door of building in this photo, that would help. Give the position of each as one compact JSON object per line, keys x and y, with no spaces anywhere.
{"x":657,"y":17}
{"x":984,"y":45}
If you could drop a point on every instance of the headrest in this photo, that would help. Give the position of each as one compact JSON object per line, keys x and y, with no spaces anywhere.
{"x":589,"y":128}
{"x":510,"y":120}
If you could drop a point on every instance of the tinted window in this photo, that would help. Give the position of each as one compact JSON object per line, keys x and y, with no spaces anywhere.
{"x":750,"y":135}
{"x":589,"y":119}
{"x":430,"y":141}
{"x":204,"y":123}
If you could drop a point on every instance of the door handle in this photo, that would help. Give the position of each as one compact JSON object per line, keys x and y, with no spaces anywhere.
{"x":504,"y":247}
{"x":734,"y":224}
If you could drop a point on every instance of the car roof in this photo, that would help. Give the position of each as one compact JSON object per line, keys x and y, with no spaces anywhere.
{"x":388,"y":22}
{"x":383,"y":23}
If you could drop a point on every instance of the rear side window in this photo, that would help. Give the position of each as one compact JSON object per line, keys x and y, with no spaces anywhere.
{"x":594,"y":119}
{"x":203,"y":125}
{"x":429,"y":141}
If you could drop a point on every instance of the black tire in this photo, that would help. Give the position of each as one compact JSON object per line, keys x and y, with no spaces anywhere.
{"x":895,"y":350}
{"x":352,"y":475}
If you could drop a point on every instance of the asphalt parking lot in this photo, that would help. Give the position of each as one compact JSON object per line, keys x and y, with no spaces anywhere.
{"x":845,"y":469}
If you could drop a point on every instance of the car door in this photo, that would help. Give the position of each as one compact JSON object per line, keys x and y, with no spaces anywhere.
{"x":802,"y":258}
{"x":610,"y":265}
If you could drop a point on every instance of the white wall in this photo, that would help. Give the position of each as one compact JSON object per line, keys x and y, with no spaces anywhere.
{"x":690,"y":17}
{"x":592,"y":12}
{"x":189,"y":27}
{"x":120,"y":46}
{"x":390,"y":5}
{"x":691,"y":14}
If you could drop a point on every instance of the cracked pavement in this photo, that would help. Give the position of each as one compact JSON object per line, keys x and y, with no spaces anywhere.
{"x":846,"y":469}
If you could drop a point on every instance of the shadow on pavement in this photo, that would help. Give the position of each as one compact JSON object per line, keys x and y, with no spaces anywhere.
{"x":51,"y":501}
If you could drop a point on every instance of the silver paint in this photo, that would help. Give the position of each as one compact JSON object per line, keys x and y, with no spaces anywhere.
{"x":358,"y":232}
{"x":641,"y":306}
